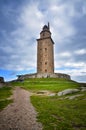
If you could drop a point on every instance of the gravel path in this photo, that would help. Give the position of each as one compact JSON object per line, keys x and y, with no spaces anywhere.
{"x":20,"y":115}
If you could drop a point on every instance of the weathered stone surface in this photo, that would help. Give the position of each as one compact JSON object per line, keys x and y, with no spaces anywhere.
{"x":45,"y":52}
{"x":74,"y":96}
{"x":1,"y":80}
{"x":83,"y":87}
{"x":83,"y":90}
{"x":43,"y":92}
{"x":68,"y":91}
{"x":46,"y":75}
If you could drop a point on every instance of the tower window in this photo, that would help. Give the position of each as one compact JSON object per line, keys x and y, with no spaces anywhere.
{"x":43,"y":34}
{"x":45,"y":49}
{"x":45,"y":70}
{"x":45,"y":63}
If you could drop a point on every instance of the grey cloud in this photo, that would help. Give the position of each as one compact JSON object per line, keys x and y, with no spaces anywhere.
{"x":18,"y":44}
{"x":81,"y":78}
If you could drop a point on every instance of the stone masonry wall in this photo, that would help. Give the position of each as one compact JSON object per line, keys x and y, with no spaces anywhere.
{"x":45,"y":56}
{"x":35,"y":75}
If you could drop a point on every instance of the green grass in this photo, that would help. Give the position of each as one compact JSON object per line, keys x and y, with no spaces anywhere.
{"x":5,"y":93}
{"x":55,"y":113}
{"x":4,"y":103}
{"x":52,"y":84}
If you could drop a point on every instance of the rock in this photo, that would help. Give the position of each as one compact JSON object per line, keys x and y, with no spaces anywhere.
{"x":67,"y":91}
{"x":1,"y":80}
{"x":43,"y":92}
{"x":52,"y":94}
{"x":83,"y":87}
{"x":73,"y":97}
{"x":83,"y":90}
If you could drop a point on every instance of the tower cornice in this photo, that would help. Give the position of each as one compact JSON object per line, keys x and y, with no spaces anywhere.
{"x":45,"y":31}
{"x":46,"y":38}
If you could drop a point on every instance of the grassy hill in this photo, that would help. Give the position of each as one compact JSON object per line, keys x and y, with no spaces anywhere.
{"x":57,"y":113}
{"x":54,"y":112}
{"x":52,"y":84}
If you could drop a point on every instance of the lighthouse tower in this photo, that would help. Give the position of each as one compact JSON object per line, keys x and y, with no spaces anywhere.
{"x":45,"y":52}
{"x":45,"y":58}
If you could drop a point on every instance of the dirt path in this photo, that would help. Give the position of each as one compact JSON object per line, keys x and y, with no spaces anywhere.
{"x":20,"y":115}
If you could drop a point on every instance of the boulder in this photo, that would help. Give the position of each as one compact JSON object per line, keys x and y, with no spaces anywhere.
{"x":83,"y":90}
{"x":67,"y":91}
{"x":83,"y":87}
{"x":73,"y":97}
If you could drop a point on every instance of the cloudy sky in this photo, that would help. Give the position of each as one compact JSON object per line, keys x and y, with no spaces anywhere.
{"x":21,"y":22}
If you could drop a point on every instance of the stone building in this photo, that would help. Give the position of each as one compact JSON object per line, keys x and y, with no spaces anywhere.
{"x":1,"y":80}
{"x":45,"y":52}
{"x":45,"y":58}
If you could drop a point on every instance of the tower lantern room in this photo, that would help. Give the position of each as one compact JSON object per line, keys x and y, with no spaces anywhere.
{"x":45,"y":32}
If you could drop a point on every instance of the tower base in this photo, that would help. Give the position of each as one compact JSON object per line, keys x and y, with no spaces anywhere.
{"x":37,"y":75}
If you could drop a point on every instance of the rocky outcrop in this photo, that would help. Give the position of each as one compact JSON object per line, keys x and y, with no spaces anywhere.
{"x":68,"y":91}
{"x":74,"y":96}
{"x":83,"y":89}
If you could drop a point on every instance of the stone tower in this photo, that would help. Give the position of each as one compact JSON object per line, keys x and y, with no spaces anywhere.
{"x":45,"y":58}
{"x":45,"y":52}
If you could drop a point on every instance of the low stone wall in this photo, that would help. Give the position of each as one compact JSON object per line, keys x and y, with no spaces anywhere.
{"x":1,"y":80}
{"x":35,"y":75}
